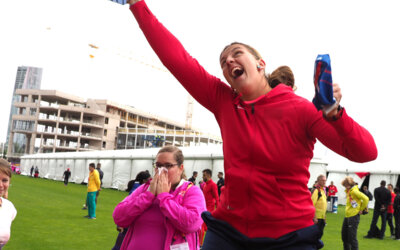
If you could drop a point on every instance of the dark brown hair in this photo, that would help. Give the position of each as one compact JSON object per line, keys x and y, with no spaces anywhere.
{"x":5,"y":167}
{"x":282,"y":74}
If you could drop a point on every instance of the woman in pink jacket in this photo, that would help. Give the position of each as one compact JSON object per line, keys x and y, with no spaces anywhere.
{"x":165,"y":211}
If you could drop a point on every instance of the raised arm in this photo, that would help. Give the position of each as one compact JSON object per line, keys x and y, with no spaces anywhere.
{"x":342,"y":134}
{"x":204,"y":87}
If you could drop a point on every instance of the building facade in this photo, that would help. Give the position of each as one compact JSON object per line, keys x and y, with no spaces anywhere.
{"x":52,"y":121}
{"x":27,"y":78}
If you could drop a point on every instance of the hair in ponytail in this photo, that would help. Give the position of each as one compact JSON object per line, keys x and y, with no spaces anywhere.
{"x":282,"y":74}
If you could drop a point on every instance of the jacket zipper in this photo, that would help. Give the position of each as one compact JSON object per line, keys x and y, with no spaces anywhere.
{"x":252,"y":117}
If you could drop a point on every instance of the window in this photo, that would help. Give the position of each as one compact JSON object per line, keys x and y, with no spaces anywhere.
{"x":106,"y":120}
{"x":104,"y":144}
{"x":23,"y":125}
{"x":105,"y":132}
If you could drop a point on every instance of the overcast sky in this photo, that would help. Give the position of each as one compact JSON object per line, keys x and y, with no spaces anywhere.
{"x":360,"y":36}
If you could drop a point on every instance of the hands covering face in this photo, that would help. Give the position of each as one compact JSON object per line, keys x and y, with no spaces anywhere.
{"x":160,"y":183}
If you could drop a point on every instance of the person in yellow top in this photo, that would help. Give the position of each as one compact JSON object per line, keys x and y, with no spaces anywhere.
{"x":356,"y":204}
{"x":318,"y":198}
{"x":93,"y":188}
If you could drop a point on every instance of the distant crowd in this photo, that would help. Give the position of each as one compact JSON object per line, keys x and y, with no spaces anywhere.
{"x":387,"y":206}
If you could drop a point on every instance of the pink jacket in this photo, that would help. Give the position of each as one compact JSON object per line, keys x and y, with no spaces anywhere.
{"x":182,"y":209}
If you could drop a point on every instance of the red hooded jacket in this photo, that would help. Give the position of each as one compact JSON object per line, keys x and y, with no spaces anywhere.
{"x":267,"y":143}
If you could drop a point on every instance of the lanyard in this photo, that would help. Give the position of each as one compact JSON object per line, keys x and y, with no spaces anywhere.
{"x":182,"y":193}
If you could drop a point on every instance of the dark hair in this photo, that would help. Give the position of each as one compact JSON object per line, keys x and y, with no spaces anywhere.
{"x":92,"y":165}
{"x":396,"y":190}
{"x":282,"y":74}
{"x":194,"y":173}
{"x":208,"y":171}
{"x":220,"y":173}
{"x":5,"y":167}
{"x":383,"y":183}
{"x":141,"y":177}
{"x":99,"y":165}
{"x":390,"y":185}
{"x":130,"y":185}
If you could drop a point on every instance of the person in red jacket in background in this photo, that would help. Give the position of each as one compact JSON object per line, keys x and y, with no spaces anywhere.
{"x":210,"y":191}
{"x":332,"y":190}
{"x":390,"y":211}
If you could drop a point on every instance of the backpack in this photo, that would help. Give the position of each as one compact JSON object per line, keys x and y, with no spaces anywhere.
{"x":319,"y":192}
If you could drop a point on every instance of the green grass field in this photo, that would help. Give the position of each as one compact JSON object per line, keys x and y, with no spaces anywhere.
{"x":50,"y":217}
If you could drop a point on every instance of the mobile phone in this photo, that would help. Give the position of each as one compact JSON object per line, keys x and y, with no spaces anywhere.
{"x":119,"y":1}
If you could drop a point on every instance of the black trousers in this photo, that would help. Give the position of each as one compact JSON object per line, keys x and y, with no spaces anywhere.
{"x":397,"y":224}
{"x":389,"y":219}
{"x":349,"y":232}
{"x":374,"y":230}
{"x":321,"y":226}
{"x":221,"y":235}
{"x":97,"y":195}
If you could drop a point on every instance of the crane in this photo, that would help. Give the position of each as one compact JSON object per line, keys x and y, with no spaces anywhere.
{"x":130,"y":56}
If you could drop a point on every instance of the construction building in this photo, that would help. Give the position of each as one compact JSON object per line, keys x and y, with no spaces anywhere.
{"x":52,"y":121}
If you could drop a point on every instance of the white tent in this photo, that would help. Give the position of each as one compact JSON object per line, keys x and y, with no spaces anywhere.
{"x":120,"y":166}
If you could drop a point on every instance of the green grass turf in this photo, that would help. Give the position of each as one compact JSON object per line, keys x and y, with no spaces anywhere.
{"x":332,"y":237}
{"x":50,"y":217}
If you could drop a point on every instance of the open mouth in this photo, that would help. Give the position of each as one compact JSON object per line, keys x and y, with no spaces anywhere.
{"x":236,"y":72}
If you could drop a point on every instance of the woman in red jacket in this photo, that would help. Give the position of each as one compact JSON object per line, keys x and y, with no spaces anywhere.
{"x":269,"y":136}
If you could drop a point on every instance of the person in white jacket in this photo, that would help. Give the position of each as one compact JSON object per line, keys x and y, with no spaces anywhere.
{"x":7,"y":209}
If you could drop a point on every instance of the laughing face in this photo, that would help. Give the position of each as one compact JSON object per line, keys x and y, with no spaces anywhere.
{"x":243,"y":71}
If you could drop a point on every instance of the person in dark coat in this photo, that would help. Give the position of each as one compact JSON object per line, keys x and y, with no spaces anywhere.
{"x":382,"y":200}
{"x":221,"y":182}
{"x":101,"y":174}
{"x":367,"y":193}
{"x":396,"y":213}
{"x":66,"y":175}
{"x":193,"y":178}
{"x":32,"y":168}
